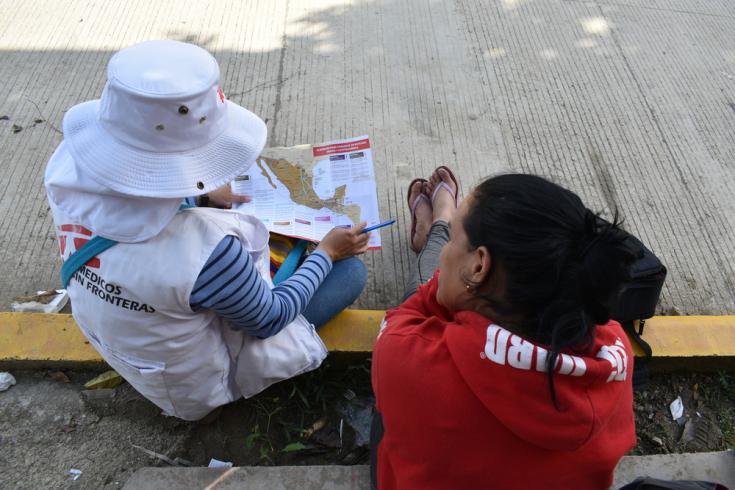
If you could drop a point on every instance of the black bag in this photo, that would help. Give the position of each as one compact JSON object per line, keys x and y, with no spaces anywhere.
{"x":637,"y":302}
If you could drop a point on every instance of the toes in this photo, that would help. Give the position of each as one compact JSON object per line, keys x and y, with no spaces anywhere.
{"x":446,"y":177}
{"x":415,"y":190}
{"x":435,"y":180}
{"x":443,"y":175}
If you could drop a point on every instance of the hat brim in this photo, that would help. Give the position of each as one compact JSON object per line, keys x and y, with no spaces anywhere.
{"x":136,"y":172}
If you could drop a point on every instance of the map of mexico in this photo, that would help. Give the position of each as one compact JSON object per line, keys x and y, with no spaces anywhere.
{"x":299,"y":182}
{"x":304,"y":191}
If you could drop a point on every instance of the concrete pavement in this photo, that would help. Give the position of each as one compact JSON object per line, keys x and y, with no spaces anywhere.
{"x":631,"y":104}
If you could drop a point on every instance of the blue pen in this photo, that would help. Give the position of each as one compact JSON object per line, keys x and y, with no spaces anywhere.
{"x":379,"y":225}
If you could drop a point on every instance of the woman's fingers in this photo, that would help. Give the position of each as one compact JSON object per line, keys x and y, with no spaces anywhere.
{"x":364,"y":248}
{"x":357,"y":230}
{"x":341,"y":243}
{"x":360,"y":244}
{"x":224,"y":198}
{"x":236,"y":198}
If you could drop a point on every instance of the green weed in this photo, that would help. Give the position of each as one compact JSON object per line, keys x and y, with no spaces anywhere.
{"x":286,"y":411}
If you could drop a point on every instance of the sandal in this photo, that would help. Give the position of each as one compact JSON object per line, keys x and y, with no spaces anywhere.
{"x":412,"y":207}
{"x":443,"y":185}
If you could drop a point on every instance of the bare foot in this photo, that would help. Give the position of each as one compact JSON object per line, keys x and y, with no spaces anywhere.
{"x":422,"y":213}
{"x":444,"y":202}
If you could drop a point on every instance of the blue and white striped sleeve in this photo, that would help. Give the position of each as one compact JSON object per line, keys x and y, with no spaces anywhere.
{"x":229,"y":284}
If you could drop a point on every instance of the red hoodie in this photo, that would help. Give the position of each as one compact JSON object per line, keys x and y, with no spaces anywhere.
{"x":466,"y":404}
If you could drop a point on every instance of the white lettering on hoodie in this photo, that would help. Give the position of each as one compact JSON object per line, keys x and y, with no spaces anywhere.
{"x":503,"y":347}
{"x":615,"y":354}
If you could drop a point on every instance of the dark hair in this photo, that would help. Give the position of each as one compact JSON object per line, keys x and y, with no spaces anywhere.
{"x":560,"y":267}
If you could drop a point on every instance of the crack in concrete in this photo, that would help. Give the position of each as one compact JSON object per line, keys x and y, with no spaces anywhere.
{"x":279,"y":78}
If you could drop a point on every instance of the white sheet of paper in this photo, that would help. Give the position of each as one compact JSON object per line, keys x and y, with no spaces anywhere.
{"x":677,"y":408}
{"x":216,"y":463}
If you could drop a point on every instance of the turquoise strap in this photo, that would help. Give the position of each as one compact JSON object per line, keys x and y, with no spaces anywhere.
{"x":97,"y":245}
{"x":291,"y":263}
{"x":89,"y":250}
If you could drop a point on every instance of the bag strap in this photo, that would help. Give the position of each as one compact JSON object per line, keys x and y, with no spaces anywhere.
{"x":640,"y":370}
{"x":291,"y":263}
{"x":89,"y":250}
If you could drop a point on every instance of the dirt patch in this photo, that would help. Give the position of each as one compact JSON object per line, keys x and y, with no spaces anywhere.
{"x":318,"y":418}
{"x":50,"y":424}
{"x":256,"y":431}
{"x":708,"y":422}
{"x":47,"y":430}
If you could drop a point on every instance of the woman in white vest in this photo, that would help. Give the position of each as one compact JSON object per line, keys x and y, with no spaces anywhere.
{"x":178,"y":299}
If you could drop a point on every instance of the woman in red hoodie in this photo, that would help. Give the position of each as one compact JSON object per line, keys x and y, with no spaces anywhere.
{"x":503,"y":369}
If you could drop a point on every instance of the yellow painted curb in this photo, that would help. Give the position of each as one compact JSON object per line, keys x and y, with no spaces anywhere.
{"x":39,"y":337}
{"x":43,"y":337}
{"x":352,"y":331}
{"x":690,"y":336}
{"x":54,"y":338}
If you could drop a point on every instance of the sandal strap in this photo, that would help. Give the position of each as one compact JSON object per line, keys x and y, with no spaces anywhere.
{"x":454,"y":181}
{"x":443,"y":185}
{"x":417,"y":201}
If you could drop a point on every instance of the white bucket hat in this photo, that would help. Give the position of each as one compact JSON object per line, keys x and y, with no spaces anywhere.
{"x":163,"y":127}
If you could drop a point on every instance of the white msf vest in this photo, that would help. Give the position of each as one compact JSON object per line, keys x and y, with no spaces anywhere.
{"x":132,"y":303}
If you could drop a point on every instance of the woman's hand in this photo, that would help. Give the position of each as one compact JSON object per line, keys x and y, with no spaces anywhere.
{"x":224,"y":198}
{"x":342,"y":243}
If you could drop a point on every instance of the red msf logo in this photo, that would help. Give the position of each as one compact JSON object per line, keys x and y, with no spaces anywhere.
{"x":221,"y":94}
{"x":79,"y":235}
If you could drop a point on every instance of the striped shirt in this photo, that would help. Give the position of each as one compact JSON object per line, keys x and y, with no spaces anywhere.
{"x":230,"y":285}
